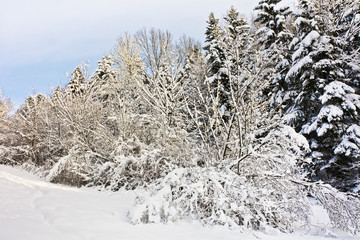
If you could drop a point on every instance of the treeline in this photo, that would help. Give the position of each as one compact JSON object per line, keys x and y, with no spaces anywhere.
{"x":237,"y":133}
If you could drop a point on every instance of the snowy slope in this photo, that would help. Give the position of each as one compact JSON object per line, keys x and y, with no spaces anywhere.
{"x":33,"y":209}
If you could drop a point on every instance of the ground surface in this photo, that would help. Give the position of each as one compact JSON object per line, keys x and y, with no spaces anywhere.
{"x":32,"y":209}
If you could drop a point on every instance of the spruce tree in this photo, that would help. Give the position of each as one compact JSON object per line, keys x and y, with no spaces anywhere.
{"x":193,"y":74}
{"x":238,"y":42}
{"x":215,"y":57}
{"x":346,"y":22}
{"x":77,"y":81}
{"x":272,"y":21}
{"x":325,"y":109}
{"x":240,"y":54}
{"x":104,"y":80}
{"x":274,"y":38}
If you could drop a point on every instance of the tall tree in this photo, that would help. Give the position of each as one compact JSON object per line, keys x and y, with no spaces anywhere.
{"x":8,"y":139}
{"x":240,"y":63}
{"x":77,"y":80}
{"x":272,"y":21}
{"x":215,"y":55}
{"x":238,"y":42}
{"x":104,"y":80}
{"x":326,"y":108}
{"x":274,"y":36}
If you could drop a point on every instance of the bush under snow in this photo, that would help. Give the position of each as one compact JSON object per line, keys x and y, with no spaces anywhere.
{"x":223,"y":198}
{"x":265,"y":190}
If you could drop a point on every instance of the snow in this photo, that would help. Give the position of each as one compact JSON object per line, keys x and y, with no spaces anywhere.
{"x":58,"y":167}
{"x":301,"y":20}
{"x":305,"y":43}
{"x":336,"y":89}
{"x":298,"y":66}
{"x":357,"y":18}
{"x":350,"y":142}
{"x":328,"y":113}
{"x":310,"y":38}
{"x":262,"y":30}
{"x":298,"y":139}
{"x":33,"y":209}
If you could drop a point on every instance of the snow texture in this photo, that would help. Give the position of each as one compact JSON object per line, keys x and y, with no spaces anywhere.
{"x":33,"y":209}
{"x":305,"y":43}
{"x":299,"y":66}
{"x":323,"y":121}
{"x":336,"y":89}
{"x":350,"y":143}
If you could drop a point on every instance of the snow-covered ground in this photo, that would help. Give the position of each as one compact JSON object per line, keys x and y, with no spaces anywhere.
{"x":32,"y":209}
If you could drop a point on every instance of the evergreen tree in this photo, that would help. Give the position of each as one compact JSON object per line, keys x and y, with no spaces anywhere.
{"x":77,"y":81}
{"x":215,"y":57}
{"x":301,"y":79}
{"x":343,"y":19}
{"x":194,"y":69}
{"x":104,"y":80}
{"x":240,"y":55}
{"x":238,"y":42}
{"x":327,"y":103}
{"x":233,"y":23}
{"x":351,"y":20}
{"x":274,"y":38}
{"x":272,"y":20}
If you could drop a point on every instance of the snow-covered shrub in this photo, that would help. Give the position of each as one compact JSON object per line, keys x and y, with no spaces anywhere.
{"x":74,"y":169}
{"x":134,"y":164}
{"x":199,"y":193}
{"x":265,"y":192}
{"x":264,"y":188}
{"x":343,"y":209}
{"x":222,"y":197}
{"x":131,"y":164}
{"x":138,"y":164}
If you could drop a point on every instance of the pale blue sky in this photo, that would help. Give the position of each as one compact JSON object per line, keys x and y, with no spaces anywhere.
{"x":41,"y":40}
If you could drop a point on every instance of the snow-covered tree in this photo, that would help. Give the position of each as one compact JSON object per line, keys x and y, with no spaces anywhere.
{"x":350,"y":19}
{"x":250,"y":176}
{"x":215,"y":55}
{"x":126,"y":56}
{"x":234,"y":24}
{"x":272,"y":20}
{"x":104,"y":80}
{"x":193,"y":74}
{"x":164,"y":61}
{"x":32,"y":123}
{"x":152,"y":44}
{"x":238,"y":42}
{"x":274,"y":37}
{"x":8,"y":139}
{"x":5,"y":108}
{"x":327,"y":98}
{"x":77,"y":80}
{"x":227,"y":186}
{"x":194,"y":67}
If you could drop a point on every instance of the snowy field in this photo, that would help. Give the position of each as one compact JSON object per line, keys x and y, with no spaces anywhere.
{"x":32,"y":209}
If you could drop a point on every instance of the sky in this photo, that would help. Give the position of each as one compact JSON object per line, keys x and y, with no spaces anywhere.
{"x":42,"y":40}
